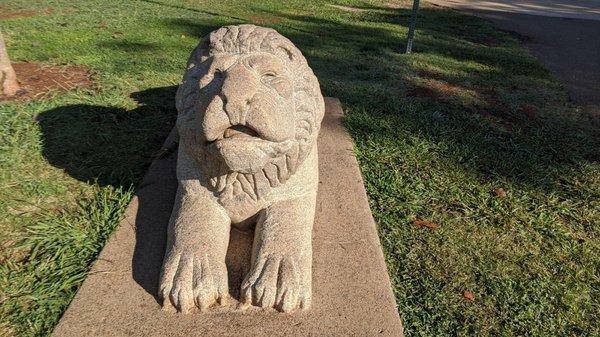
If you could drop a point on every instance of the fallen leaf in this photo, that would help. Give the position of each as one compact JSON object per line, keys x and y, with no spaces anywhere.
{"x":425,"y":223}
{"x":500,"y":192}
{"x":468,"y":295}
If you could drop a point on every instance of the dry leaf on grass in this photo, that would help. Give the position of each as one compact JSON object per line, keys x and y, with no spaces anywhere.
{"x":500,"y":192}
{"x":425,"y":223}
{"x":468,"y":295}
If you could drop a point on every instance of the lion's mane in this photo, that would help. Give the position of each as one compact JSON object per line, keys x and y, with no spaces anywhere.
{"x":308,"y":107}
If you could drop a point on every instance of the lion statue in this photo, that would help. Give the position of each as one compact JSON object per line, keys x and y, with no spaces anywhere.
{"x":249,"y":112}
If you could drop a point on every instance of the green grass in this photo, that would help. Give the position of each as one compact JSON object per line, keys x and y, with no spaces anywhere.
{"x":436,"y":132}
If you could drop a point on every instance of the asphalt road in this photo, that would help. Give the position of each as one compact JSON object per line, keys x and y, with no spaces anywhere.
{"x":563,"y":34}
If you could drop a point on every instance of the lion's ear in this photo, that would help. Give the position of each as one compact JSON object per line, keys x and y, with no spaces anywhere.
{"x":187,"y":93}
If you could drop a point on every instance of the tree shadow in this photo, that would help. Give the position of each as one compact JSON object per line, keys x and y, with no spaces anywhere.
{"x":503,"y":109}
{"x":471,"y":88}
{"x":515,"y":129}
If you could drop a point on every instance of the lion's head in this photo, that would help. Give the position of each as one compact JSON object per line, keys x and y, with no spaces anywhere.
{"x":250,"y":110}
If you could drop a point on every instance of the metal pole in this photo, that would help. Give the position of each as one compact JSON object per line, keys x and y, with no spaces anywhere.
{"x":411,"y":26}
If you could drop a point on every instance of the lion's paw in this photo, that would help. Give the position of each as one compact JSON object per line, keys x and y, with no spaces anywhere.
{"x":189,"y":279}
{"x":276,"y":281}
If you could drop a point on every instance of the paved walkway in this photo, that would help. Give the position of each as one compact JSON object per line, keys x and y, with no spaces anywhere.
{"x":574,"y":9}
{"x":563,"y":34}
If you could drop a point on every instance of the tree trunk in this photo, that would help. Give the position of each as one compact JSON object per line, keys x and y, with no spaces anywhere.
{"x":8,"y":79}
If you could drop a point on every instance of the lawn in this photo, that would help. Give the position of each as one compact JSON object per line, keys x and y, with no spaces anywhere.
{"x":469,"y":135}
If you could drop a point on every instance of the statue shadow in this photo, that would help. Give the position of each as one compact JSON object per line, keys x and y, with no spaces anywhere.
{"x":123,"y":149}
{"x":110,"y":146}
{"x":113,"y":147}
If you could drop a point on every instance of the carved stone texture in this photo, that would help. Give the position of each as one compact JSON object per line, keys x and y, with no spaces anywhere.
{"x":250,"y":110}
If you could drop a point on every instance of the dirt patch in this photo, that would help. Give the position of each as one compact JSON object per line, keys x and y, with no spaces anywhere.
{"x":483,"y":101}
{"x":432,"y":74}
{"x":36,"y":79}
{"x":435,"y":85}
{"x":437,"y":89}
{"x":7,"y":13}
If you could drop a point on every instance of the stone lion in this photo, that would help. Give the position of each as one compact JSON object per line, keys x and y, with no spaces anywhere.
{"x":250,"y":110}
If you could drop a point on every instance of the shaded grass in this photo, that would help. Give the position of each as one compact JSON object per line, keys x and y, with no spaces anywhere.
{"x":436,"y":132}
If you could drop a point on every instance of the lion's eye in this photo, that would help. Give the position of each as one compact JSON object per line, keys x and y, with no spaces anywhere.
{"x":269,"y":75}
{"x":269,"y":78}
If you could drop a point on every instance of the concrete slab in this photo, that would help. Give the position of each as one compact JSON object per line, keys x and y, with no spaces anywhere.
{"x":352,"y":295}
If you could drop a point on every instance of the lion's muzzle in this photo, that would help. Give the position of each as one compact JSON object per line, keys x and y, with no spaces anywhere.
{"x":243,"y":152}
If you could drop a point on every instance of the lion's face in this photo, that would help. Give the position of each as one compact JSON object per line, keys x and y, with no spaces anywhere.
{"x":249,"y":110}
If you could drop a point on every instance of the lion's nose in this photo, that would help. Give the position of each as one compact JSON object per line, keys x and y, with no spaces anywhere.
{"x":237,"y":92}
{"x":236,"y":105}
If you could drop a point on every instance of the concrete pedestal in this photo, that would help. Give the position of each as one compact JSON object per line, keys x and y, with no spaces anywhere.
{"x":351,"y":289}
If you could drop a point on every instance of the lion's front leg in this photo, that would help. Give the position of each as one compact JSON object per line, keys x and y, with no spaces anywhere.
{"x":194,"y":270}
{"x":280,"y":275}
